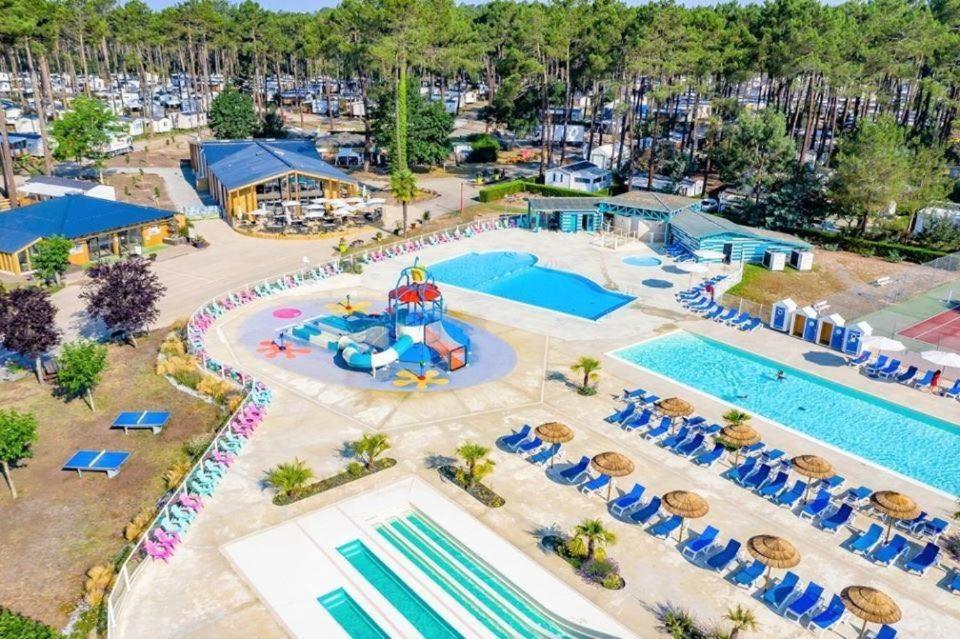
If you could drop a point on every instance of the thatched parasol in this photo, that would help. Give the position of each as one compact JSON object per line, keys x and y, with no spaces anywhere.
{"x":871,"y":605}
{"x":554,"y":433}
{"x":675,"y":407}
{"x":813,"y":467}
{"x":685,"y":504}
{"x":895,"y":506}
{"x":613,"y":464}
{"x":739,"y":435}
{"x":773,"y":552}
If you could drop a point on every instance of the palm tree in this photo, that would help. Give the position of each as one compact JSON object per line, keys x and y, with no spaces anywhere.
{"x":742,"y":619}
{"x":403,"y":185}
{"x":590,"y":368}
{"x":736,"y":417}
{"x":290,"y":478}
{"x":590,"y":539}
{"x":371,"y":446}
{"x":475,"y":457}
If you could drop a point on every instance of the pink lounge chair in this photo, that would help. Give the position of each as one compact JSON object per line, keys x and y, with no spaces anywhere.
{"x":157,"y":551}
{"x":168,"y":539}
{"x":223,"y":458}
{"x":192,"y":502}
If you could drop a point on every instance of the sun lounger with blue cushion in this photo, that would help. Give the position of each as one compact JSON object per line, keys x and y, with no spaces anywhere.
{"x":643,"y":515}
{"x":953,"y":582}
{"x":910,"y":524}
{"x":830,"y":616}
{"x":514,"y":439}
{"x":877,"y":364}
{"x":933,"y":528}
{"x":805,"y":602}
{"x":778,"y":594}
{"x":924,"y":381}
{"x":103,"y":461}
{"x":727,"y":315}
{"x":742,"y":317}
{"x":770,"y":456}
{"x":621,"y":414}
{"x":575,"y":472}
{"x":725,"y":557}
{"x":890,"y":370}
{"x":815,"y":507}
{"x":638,"y":420}
{"x":755,"y":480}
{"x":530,"y":445}
{"x":636,"y":393}
{"x":664,"y":527}
{"x":595,"y":484}
{"x":676,"y":439}
{"x":545,"y":454}
{"x":702,"y":544}
{"x":953,"y":391}
{"x":626,"y":501}
{"x":887,"y":553}
{"x":744,"y":470}
{"x":141,"y":420}
{"x":837,"y":520}
{"x":923,"y":560}
{"x":659,"y":430}
{"x":860,"y":359}
{"x":885,"y":632}
{"x":694,"y":421}
{"x":709,"y":458}
{"x":753,"y":324}
{"x":856,"y":497}
{"x":773,"y":488}
{"x":867,"y":540}
{"x":746,"y":576}
{"x":715,"y":313}
{"x":907,"y":375}
{"x":690,"y":446}
{"x":746,"y":451}
{"x":789,"y":497}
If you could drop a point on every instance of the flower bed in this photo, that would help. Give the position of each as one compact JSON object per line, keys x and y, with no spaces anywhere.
{"x":345,"y":477}
{"x":604,"y":572}
{"x":478,"y":491}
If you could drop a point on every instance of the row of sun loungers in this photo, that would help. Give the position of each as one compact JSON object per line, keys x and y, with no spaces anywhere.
{"x":695,"y":301}
{"x":885,"y":367}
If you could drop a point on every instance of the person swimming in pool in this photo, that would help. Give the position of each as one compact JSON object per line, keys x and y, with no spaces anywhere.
{"x":781,"y":376}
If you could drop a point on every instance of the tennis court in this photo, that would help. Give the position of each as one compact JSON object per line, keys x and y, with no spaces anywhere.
{"x":944,"y":326}
{"x":931,"y":318}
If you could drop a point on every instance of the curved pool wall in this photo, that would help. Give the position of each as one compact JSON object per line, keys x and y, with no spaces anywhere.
{"x":516,"y":276}
{"x":913,"y":444}
{"x":642,"y":260}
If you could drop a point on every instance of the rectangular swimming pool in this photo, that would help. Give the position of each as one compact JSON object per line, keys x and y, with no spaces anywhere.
{"x":351,"y":617}
{"x":516,"y":276}
{"x":909,"y":442}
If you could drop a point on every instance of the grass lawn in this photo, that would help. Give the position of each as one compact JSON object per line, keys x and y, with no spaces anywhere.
{"x":804,"y":287}
{"x":62,"y":524}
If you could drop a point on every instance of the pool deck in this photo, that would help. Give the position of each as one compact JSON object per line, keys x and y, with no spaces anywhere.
{"x":199,"y":594}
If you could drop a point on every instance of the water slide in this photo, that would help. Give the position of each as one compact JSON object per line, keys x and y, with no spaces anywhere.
{"x":437,"y":338}
{"x":368,"y":360}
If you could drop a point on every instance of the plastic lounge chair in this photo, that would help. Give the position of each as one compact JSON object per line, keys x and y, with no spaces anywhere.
{"x":636,"y":393}
{"x":790,"y":497}
{"x":742,"y":317}
{"x":621,"y":414}
{"x":805,"y":602}
{"x":665,"y":527}
{"x":747,"y":576}
{"x":715,"y":313}
{"x":744,"y":470}
{"x":907,"y":375}
{"x":923,"y":381}
{"x":877,"y":364}
{"x":752,"y":325}
{"x":649,"y":400}
{"x":747,"y":451}
{"x":860,"y":359}
{"x":530,"y":445}
{"x":953,"y":583}
{"x":867,"y":540}
{"x":711,"y":429}
{"x":676,"y":439}
{"x":727,"y":315}
{"x":709,"y":458}
{"x":703,"y":543}
{"x":595,"y":484}
{"x":643,"y":515}
{"x":694,"y":421}
{"x":841,"y":518}
{"x":832,"y":483}
{"x":885,"y":632}
{"x":933,"y":528}
{"x":756,"y":479}
{"x":887,"y":553}
{"x":626,"y":501}
{"x":953,"y":391}
{"x":923,"y":560}
{"x":778,"y":594}
{"x":890,"y":370}
{"x":770,"y":456}
{"x":910,"y":524}
{"x":638,"y":420}
{"x":514,"y":439}
{"x":816,"y":507}
{"x":829,"y":616}
{"x":725,"y":557}
{"x":545,"y":454}
{"x":856,"y":497}
{"x":658,"y":430}
{"x":691,"y":446}
{"x":774,"y":487}
{"x":575,"y":472}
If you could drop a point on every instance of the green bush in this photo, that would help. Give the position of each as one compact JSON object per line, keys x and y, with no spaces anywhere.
{"x":188,"y":377}
{"x":556,"y":191}
{"x":16,"y":626}
{"x":483,"y":148}
{"x":502,"y":190}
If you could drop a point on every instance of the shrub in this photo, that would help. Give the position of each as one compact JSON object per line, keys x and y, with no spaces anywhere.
{"x":598,"y":569}
{"x":189,"y":377}
{"x":138,"y":525}
{"x":484,"y":148}
{"x":910,"y":253}
{"x":213,"y":387}
{"x":17,"y":626}
{"x":173,"y":347}
{"x":195,"y":446}
{"x":98,"y":582}
{"x":232,"y":402}
{"x":354,"y":469}
{"x":500,"y":191}
{"x":894,"y":256}
{"x":175,"y":474}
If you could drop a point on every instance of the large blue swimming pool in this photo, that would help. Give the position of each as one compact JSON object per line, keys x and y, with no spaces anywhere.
{"x":911,"y":443}
{"x":516,"y":276}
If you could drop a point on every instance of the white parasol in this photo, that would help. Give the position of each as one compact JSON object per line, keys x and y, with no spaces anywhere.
{"x":881,"y":343}
{"x":693,"y":267}
{"x":945,"y":359}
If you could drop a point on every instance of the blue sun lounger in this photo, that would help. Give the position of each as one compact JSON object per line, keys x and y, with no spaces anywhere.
{"x":514,"y":439}
{"x":621,"y":414}
{"x":676,"y":439}
{"x":789,"y":497}
{"x":575,"y":472}
{"x":143,"y":420}
{"x":746,"y":576}
{"x":637,"y":421}
{"x":703,"y":543}
{"x":691,"y":446}
{"x":805,"y":602}
{"x":837,"y":520}
{"x":885,"y":632}
{"x":829,"y":616}
{"x":888,"y":552}
{"x":715,"y":313}
{"x":644,"y":515}
{"x":953,"y":391}
{"x":103,"y":461}
{"x":664,"y":527}
{"x":636,"y":393}
{"x":751,"y":325}
{"x":860,"y":359}
{"x":933,"y":528}
{"x":709,"y":458}
{"x":545,"y":454}
{"x":659,"y":429}
{"x":725,"y":557}
{"x":856,"y":496}
{"x":867,"y":540}
{"x":815,"y":507}
{"x":530,"y":446}
{"x":923,"y":381}
{"x":953,"y":583}
{"x":778,"y":594}
{"x":626,"y":501}
{"x":877,"y":364}
{"x":595,"y":484}
{"x":890,"y":369}
{"x":744,"y":470}
{"x":907,"y":375}
{"x":728,"y":315}
{"x":742,"y":317}
{"x":756,"y":480}
{"x":923,"y":560}
{"x":775,"y":486}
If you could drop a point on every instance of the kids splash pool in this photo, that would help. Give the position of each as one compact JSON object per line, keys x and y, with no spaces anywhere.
{"x":642,"y":260}
{"x":857,"y":422}
{"x":516,"y":276}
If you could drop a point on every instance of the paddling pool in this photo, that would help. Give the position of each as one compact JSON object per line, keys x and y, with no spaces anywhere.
{"x":642,"y":260}
{"x":911,"y":443}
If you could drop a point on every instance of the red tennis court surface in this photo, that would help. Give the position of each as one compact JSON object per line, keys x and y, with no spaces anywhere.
{"x":942,"y":327}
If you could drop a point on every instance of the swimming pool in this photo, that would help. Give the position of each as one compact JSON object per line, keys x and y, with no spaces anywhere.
{"x":916,"y":445}
{"x":516,"y":276}
{"x":642,"y":260}
{"x":351,"y":617}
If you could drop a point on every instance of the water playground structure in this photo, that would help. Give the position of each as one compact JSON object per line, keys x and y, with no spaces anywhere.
{"x":413,"y":329}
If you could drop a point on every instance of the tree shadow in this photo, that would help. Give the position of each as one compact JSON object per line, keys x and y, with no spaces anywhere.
{"x":347,"y":450}
{"x":436,"y":461}
{"x":559,"y":376}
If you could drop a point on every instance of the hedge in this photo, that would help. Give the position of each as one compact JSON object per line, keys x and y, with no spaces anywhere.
{"x":341,"y":478}
{"x":910,"y":253}
{"x":502,"y":190}
{"x":16,"y":626}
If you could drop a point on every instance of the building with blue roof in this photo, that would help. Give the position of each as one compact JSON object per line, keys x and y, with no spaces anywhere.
{"x":246,"y":175}
{"x":97,"y":227}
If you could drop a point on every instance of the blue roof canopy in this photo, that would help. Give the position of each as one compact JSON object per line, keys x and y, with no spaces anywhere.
{"x":241,"y":163}
{"x":72,"y":216}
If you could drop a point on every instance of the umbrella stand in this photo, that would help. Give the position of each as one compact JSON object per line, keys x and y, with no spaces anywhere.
{"x":863,"y":630}
{"x":609,"y":489}
{"x":683,"y":523}
{"x":889,"y":529}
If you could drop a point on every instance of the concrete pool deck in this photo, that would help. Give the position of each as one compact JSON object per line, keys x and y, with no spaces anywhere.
{"x":198,"y":594}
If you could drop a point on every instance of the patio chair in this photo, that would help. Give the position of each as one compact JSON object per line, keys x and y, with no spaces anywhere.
{"x":924,"y":381}
{"x":954,"y":391}
{"x":863,"y":544}
{"x":627,"y":501}
{"x":514,"y":439}
{"x":659,"y":430}
{"x":887,"y":553}
{"x":595,"y":484}
{"x":702,"y":544}
{"x":890,"y":370}
{"x":747,"y":576}
{"x":830,"y":616}
{"x":860,"y":359}
{"x":756,"y":479}
{"x":923,"y":560}
{"x":840,"y":518}
{"x":665,"y":527}
{"x":530,"y":445}
{"x":877,"y":364}
{"x":778,"y":594}
{"x":643,"y":515}
{"x":709,"y":458}
{"x":676,"y":439}
{"x":907,"y":375}
{"x":744,"y":470}
{"x":720,"y":561}
{"x":774,"y":487}
{"x":805,"y":602}
{"x":638,"y":420}
{"x":815,"y":507}
{"x":576,"y":471}
{"x":545,"y":455}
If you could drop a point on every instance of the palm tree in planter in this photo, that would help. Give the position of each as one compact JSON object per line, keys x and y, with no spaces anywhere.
{"x":742,"y":619}
{"x":590,"y":369}
{"x":371,"y":446}
{"x":403,"y":186}
{"x":474,"y":456}
{"x":590,"y":539}
{"x":289,"y":478}
{"x":736,"y":417}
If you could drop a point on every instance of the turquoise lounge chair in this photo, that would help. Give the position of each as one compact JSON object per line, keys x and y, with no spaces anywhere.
{"x":778,"y":594}
{"x":748,"y":575}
